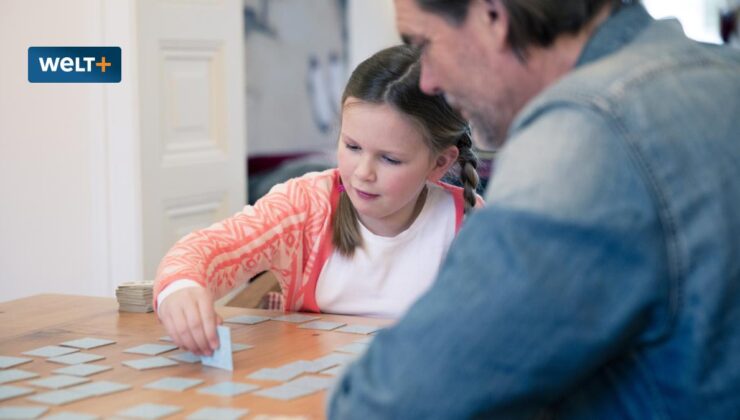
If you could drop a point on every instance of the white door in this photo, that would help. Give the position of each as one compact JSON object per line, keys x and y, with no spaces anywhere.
{"x":191,"y":96}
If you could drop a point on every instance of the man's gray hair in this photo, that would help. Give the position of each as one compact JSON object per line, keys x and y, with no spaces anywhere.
{"x":531,"y":22}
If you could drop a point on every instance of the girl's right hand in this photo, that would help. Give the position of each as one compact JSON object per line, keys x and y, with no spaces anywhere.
{"x":190,"y":320}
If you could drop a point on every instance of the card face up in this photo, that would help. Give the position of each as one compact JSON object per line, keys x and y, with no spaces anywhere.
{"x":88,"y":343}
{"x":150,"y":411}
{"x":22,"y":412}
{"x":151,"y":349}
{"x":174,"y":384}
{"x":216,"y":413}
{"x":50,"y":351}
{"x":150,"y":363}
{"x":228,"y":389}
{"x":82,"y":370}
{"x":221,"y":358}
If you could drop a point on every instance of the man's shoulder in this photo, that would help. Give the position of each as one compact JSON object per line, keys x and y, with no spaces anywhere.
{"x":649,"y":67}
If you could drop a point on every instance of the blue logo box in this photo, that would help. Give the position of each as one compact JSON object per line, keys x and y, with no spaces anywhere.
{"x":74,"y":64}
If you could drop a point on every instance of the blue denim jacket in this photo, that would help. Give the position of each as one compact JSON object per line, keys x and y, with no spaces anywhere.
{"x":603,"y":279}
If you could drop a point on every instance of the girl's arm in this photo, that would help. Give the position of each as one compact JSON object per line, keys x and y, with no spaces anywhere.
{"x":237,"y":248}
{"x":222,"y":255}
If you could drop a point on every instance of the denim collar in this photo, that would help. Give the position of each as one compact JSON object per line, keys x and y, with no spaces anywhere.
{"x":616,"y":32}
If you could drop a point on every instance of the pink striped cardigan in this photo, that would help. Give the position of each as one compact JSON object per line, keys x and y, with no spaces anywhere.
{"x":288,"y":231}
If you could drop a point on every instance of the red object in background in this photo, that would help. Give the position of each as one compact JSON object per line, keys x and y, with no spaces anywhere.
{"x":259,"y":164}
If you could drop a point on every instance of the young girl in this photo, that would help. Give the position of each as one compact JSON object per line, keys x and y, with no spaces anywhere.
{"x":365,"y":239}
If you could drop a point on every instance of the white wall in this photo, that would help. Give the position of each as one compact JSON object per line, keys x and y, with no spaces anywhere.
{"x":699,"y":18}
{"x":279,"y":107}
{"x":372,"y":27}
{"x":69,"y":159}
{"x":56,"y":163}
{"x":277,"y":75}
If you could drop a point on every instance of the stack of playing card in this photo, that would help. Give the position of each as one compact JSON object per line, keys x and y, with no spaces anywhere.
{"x":135,"y":296}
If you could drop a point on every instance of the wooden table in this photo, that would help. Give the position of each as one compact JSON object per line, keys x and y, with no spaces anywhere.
{"x":42,"y":320}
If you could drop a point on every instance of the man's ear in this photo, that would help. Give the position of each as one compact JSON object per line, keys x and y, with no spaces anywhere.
{"x":493,"y":18}
{"x":442,"y":164}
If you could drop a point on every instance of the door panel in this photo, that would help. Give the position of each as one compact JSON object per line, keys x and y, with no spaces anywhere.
{"x":192,"y":118}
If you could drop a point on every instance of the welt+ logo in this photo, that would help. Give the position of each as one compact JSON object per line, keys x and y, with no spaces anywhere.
{"x":74,"y":64}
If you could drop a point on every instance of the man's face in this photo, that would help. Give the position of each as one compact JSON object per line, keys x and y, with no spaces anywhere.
{"x":468,"y":63}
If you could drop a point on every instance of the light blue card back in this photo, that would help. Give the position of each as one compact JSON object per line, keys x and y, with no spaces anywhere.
{"x":173,"y":383}
{"x":71,"y":415}
{"x":13,"y":375}
{"x":7,"y":361}
{"x":22,"y":412}
{"x":150,"y":411}
{"x":9,"y":391}
{"x":218,"y":413}
{"x":88,"y":343}
{"x":221,"y":357}
{"x":228,"y":389}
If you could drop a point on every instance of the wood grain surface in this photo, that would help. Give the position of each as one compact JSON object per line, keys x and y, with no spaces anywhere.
{"x":42,"y":320}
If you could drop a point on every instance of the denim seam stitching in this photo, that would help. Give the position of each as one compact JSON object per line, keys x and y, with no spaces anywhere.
{"x":667,"y":221}
{"x":601,"y":105}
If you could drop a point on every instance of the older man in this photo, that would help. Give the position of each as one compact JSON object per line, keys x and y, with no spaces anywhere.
{"x":603,"y":280}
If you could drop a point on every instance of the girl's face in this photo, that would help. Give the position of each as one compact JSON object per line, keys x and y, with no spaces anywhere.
{"x":384,"y":164}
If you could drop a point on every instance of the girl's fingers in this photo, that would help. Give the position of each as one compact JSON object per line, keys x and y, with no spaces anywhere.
{"x":195,"y":324}
{"x":208,"y":322}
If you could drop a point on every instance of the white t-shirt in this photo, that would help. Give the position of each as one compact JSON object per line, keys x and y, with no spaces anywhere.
{"x":387,"y":274}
